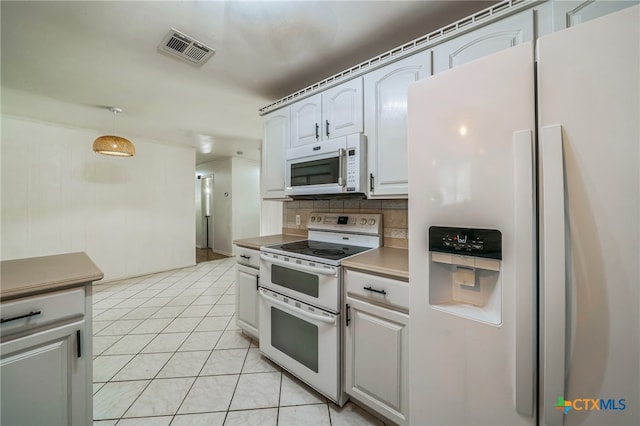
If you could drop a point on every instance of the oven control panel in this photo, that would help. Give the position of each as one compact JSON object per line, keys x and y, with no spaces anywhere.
{"x":346,"y":222}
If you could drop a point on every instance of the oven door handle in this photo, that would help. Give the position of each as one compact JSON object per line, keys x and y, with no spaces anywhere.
{"x":298,"y":267}
{"x":299,"y":311}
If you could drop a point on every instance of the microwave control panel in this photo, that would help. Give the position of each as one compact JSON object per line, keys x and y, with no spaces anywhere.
{"x":353,"y":170}
{"x":485,"y":243}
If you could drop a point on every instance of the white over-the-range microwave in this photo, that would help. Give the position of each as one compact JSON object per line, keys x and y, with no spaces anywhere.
{"x":333,"y":166}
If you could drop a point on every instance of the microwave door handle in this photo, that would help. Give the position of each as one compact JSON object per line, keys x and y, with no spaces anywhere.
{"x":302,"y":312}
{"x":341,"y":155}
{"x":303,"y":268}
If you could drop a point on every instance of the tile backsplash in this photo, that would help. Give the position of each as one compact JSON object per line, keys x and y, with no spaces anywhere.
{"x":394,"y":212}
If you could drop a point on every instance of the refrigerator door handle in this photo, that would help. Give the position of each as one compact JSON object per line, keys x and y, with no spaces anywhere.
{"x":525,"y":273}
{"x":553,"y":285}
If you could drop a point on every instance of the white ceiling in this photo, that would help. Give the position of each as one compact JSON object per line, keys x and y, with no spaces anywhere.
{"x":64,"y":62}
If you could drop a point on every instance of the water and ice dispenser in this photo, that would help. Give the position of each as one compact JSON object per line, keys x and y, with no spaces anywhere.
{"x":464,"y":272}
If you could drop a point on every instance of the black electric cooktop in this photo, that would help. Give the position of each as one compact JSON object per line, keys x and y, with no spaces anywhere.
{"x":319,"y":249}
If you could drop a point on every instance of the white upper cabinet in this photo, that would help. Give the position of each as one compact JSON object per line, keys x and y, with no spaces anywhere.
{"x":385,"y":97}
{"x":275,"y":141}
{"x":306,"y":116}
{"x":568,"y":14}
{"x":330,"y":114}
{"x":484,"y":41}
{"x":342,"y":109}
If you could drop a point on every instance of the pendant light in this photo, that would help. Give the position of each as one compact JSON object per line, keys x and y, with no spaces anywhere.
{"x":114,"y":145}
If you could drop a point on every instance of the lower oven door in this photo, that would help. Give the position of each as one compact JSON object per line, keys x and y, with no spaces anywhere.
{"x":303,"y":340}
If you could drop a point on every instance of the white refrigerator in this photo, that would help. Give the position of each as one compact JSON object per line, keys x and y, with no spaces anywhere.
{"x":524,"y":214}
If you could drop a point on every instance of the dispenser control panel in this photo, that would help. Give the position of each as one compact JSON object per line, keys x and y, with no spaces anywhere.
{"x":466,"y":241}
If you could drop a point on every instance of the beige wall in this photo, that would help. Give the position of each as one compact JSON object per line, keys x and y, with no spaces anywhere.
{"x":394,"y":213}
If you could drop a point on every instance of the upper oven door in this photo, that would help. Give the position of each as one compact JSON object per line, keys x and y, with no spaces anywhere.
{"x":309,"y":282}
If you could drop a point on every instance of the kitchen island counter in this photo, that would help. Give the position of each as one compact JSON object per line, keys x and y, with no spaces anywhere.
{"x":36,"y":275}
{"x":388,"y":261}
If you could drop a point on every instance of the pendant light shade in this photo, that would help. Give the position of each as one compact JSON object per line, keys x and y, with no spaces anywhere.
{"x":114,"y":145}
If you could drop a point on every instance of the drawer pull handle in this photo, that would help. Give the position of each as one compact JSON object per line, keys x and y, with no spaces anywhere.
{"x":245,"y":257}
{"x":374,"y":290}
{"x":78,"y":344}
{"x":30,"y":314}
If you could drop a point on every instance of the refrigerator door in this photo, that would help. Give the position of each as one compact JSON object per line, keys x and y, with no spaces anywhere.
{"x":589,"y":113}
{"x":472,"y":345}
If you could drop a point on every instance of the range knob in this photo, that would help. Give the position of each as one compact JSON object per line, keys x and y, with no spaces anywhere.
{"x":313,"y":218}
{"x":363,"y":221}
{"x":372,"y":221}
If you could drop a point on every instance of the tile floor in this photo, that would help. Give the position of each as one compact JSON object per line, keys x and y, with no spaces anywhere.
{"x":167,"y":351}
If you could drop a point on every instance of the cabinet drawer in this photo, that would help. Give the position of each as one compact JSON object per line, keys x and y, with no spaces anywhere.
{"x":37,"y":311}
{"x":249,"y":257}
{"x":377,"y":289}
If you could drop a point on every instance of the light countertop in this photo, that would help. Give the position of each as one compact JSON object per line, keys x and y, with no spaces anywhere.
{"x":257,"y":242}
{"x":26,"y":277}
{"x":389,"y":261}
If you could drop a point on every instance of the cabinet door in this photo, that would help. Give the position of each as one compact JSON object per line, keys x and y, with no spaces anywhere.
{"x":43,"y":379}
{"x":377,"y":359}
{"x":247,"y":299}
{"x":275,"y":141}
{"x":342,"y":112}
{"x":568,"y":14}
{"x":306,"y":116}
{"x":385,"y":95}
{"x":484,"y":41}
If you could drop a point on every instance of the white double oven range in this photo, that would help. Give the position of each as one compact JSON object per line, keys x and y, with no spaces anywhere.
{"x":300,"y":305}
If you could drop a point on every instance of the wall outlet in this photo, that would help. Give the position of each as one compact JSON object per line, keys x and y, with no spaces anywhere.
{"x":297,"y":219}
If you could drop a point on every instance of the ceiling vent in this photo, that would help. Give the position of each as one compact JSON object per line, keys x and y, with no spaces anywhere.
{"x":186,"y":48}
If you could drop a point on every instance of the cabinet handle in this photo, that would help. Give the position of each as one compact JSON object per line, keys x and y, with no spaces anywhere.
{"x":371,"y":182}
{"x":317,"y":131}
{"x":78,"y":344}
{"x":348,"y":314}
{"x":374,"y":290}
{"x":245,"y":257}
{"x":257,"y":281}
{"x":327,"y":127}
{"x":30,"y":314}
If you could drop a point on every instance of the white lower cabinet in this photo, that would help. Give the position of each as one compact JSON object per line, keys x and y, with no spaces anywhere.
{"x":377,"y":356}
{"x":46,"y":372}
{"x":247,"y":276}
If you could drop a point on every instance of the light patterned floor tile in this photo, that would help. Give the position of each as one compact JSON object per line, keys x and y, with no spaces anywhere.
{"x":204,"y":419}
{"x":294,"y":392}
{"x":141,"y":312}
{"x":233,"y":340}
{"x":222,"y":310}
{"x":179,"y":325}
{"x":147,"y":421}
{"x":350,"y":415}
{"x":112,"y":314}
{"x":260,"y":390}
{"x":161,"y":397}
{"x":114,"y":398}
{"x":166,"y":342}
{"x":262,"y":417}
{"x":151,"y":325}
{"x":119,"y":328}
{"x":184,"y":364}
{"x":308,"y":415}
{"x":213,"y":324}
{"x":195,"y":311}
{"x":168,"y":312}
{"x":201,"y":341}
{"x":102,"y":343}
{"x":256,"y":363}
{"x":143,"y":366}
{"x":227,"y":361}
{"x":105,"y":367}
{"x":130,"y":344}
{"x":211,"y":393}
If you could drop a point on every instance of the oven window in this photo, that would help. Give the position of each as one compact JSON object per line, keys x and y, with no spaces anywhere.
{"x":295,"y":280}
{"x":316,"y":172}
{"x":295,"y":337}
